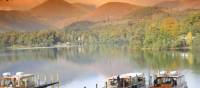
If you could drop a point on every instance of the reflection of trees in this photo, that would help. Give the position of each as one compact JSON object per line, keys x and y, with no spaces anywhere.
{"x":196,"y":60}
{"x":89,"y":54}
{"x":154,"y":60}
{"x":76,"y":54}
{"x":162,"y":60}
{"x":36,"y":54}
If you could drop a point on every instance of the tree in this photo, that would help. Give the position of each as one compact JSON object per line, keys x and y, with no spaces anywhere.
{"x":170,"y":25}
{"x":189,"y":39}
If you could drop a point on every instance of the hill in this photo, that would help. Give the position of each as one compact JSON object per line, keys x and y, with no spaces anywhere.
{"x":19,"y":21}
{"x":180,"y":5}
{"x":4,"y":5}
{"x":190,"y":4}
{"x":84,"y":7}
{"x":58,"y":12}
{"x":110,"y":11}
{"x":57,"y":9}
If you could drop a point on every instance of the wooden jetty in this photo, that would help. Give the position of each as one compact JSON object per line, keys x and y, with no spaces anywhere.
{"x":21,"y":80}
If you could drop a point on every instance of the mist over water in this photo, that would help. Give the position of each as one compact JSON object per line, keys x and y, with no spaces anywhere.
{"x":87,"y":65}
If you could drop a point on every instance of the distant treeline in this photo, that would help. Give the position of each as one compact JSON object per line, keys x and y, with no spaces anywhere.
{"x":159,"y":30}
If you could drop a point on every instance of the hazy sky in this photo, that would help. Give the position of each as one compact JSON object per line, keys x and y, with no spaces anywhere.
{"x":18,"y":4}
{"x":27,"y":4}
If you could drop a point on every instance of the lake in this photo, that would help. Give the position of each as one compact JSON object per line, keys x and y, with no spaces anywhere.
{"x":87,"y":65}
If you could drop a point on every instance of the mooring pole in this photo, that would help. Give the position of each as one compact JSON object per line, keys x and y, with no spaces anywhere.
{"x":96,"y":85}
{"x":123,"y":84}
{"x":38,"y":79}
{"x":45,"y":78}
{"x":58,"y":80}
{"x":131,"y":83}
{"x":106,"y":85}
{"x":52,"y":81}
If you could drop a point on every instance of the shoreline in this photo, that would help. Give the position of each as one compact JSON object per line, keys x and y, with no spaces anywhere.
{"x":69,"y":46}
{"x":46,"y":47}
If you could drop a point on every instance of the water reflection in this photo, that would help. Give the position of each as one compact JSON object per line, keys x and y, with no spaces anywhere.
{"x":88,"y":65}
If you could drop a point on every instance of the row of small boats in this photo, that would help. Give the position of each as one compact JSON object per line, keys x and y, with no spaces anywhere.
{"x":164,"y":79}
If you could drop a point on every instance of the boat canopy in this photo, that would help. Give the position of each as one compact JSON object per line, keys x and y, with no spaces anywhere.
{"x":128,"y":75}
{"x":19,"y":75}
{"x":173,"y":74}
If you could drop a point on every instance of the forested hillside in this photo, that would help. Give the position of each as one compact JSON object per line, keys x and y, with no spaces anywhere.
{"x":146,"y":28}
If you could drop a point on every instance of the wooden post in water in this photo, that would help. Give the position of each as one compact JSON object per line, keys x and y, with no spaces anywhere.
{"x":150,"y":80}
{"x":131,"y":83}
{"x":123,"y":83}
{"x":38,"y":79}
{"x":35,"y":80}
{"x":106,"y":84}
{"x":45,"y":79}
{"x":52,"y":81}
{"x":96,"y":85}
{"x":58,"y":80}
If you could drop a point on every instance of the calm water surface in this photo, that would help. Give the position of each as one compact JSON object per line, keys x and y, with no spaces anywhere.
{"x":86,"y":66}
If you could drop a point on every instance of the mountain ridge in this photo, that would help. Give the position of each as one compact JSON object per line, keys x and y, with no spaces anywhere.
{"x":20,"y":21}
{"x":59,"y":13}
{"x":110,"y":11}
